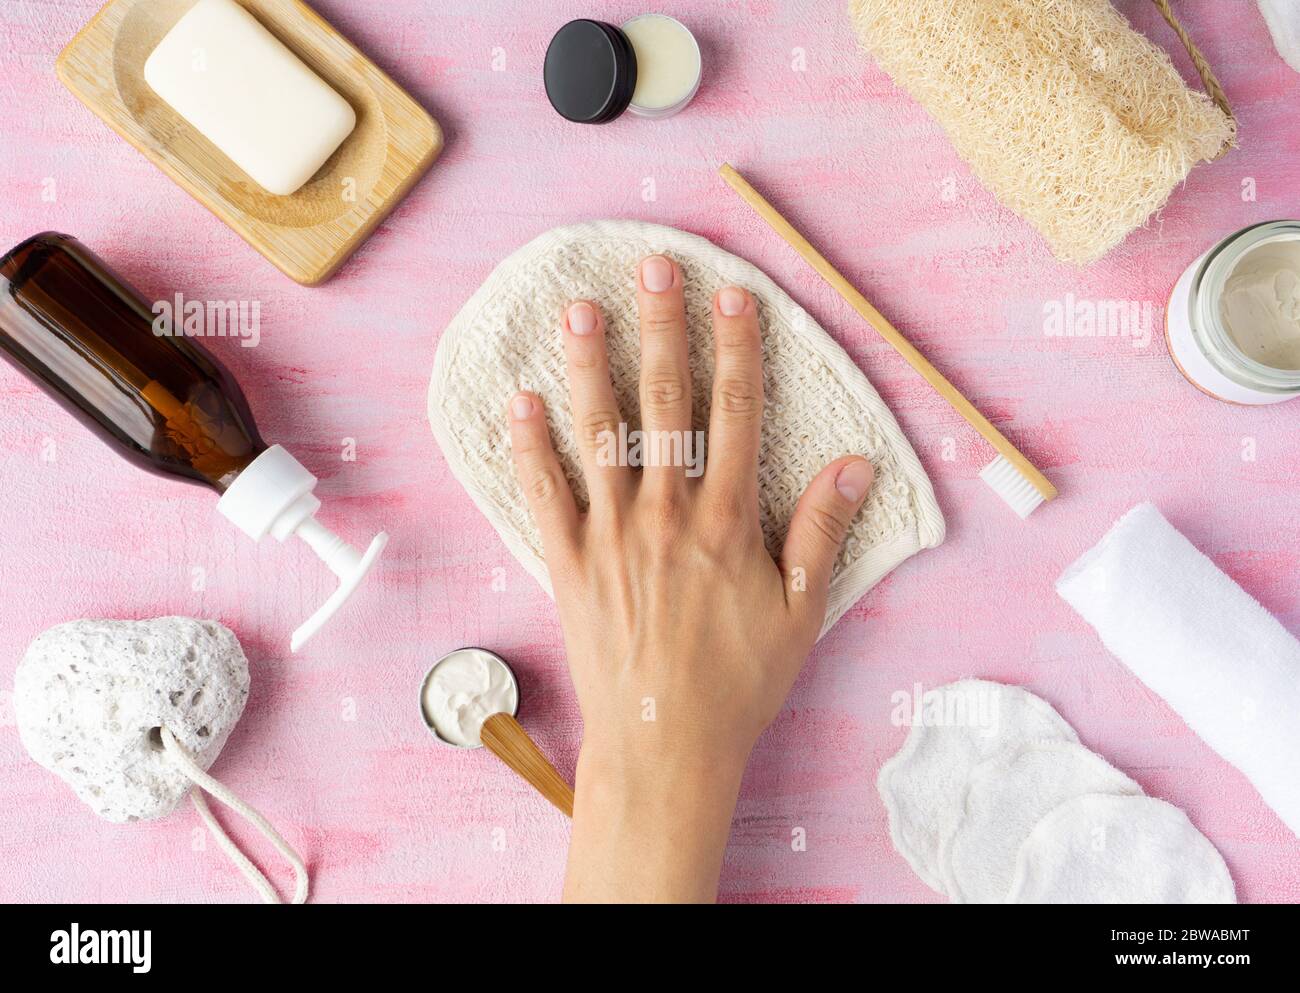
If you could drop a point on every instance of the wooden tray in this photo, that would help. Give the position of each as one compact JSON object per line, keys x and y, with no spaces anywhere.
{"x":307,"y":235}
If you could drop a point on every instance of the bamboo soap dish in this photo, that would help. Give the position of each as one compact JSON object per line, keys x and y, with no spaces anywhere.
{"x":312,"y":232}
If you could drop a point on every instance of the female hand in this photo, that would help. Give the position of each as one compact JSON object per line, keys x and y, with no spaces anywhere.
{"x":683,"y":635}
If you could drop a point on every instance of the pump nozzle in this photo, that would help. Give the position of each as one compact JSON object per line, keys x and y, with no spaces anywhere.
{"x":345,"y":562}
{"x":274,"y":496}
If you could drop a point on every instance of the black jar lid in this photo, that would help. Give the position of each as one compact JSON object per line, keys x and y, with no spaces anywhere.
{"x":590,"y":72}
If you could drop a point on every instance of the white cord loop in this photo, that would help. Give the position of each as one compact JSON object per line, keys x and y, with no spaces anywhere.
{"x":206,"y":783}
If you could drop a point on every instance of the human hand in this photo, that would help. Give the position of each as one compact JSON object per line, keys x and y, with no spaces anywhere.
{"x":684,"y":636}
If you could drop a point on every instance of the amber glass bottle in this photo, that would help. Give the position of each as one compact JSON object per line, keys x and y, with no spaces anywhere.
{"x":88,"y":339}
{"x":161,"y":400}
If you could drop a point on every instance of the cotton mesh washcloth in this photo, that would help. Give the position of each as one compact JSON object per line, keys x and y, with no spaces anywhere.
{"x":819,"y":404}
{"x":1067,"y":115}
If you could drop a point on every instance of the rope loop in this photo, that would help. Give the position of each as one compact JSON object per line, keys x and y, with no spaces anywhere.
{"x":1203,"y":69}
{"x":205,"y":783}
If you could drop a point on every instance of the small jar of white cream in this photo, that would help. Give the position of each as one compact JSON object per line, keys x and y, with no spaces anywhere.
{"x":462,"y":690}
{"x":1233,"y":322}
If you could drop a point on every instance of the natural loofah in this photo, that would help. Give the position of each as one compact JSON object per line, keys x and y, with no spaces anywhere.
{"x":1070,"y":117}
{"x":91,"y":698}
{"x":819,"y":404}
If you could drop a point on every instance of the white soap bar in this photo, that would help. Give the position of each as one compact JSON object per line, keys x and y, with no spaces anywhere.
{"x":227,"y":75}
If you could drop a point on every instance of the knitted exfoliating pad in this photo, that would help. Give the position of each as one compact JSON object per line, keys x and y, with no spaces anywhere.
{"x":1070,"y":117}
{"x":819,"y":404}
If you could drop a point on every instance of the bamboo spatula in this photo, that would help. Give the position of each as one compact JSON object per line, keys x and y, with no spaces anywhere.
{"x":507,"y":740}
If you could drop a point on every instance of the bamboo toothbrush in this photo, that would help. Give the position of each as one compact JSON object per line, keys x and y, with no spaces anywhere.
{"x":1010,"y":475}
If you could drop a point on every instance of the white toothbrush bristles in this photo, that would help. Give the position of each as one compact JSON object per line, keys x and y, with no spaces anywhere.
{"x":1008,"y":483}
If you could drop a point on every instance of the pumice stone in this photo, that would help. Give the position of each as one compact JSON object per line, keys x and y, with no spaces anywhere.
{"x":91,"y":698}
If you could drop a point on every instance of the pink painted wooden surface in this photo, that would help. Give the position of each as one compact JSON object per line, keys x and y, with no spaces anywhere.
{"x":331,"y":747}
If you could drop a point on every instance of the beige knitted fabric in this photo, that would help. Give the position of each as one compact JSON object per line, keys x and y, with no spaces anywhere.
{"x":819,"y":404}
{"x":1070,"y":117}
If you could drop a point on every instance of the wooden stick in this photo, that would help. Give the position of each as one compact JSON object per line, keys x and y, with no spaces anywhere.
{"x":887,"y":331}
{"x":508,"y":741}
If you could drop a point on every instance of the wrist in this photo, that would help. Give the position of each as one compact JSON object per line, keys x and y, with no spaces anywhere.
{"x":645,"y":769}
{"x":650,"y":827}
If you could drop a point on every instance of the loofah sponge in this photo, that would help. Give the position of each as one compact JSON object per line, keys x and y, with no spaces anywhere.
{"x":90,"y":699}
{"x":1070,"y":117}
{"x":819,"y":404}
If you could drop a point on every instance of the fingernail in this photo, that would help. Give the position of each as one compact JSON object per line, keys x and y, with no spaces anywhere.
{"x":854,"y":480}
{"x":521,"y":407}
{"x":657,"y":274}
{"x":732,"y":302}
{"x":582,"y":318}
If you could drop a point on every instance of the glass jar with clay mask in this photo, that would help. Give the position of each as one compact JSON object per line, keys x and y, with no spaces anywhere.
{"x":1233,"y":322}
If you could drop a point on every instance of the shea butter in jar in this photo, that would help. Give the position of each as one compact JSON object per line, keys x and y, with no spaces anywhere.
{"x":594,"y":71}
{"x":668,"y":65}
{"x":1233,"y":322}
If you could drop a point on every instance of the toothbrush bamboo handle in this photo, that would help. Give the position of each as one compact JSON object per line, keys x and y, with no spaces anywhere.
{"x":887,"y":331}
{"x":508,"y":741}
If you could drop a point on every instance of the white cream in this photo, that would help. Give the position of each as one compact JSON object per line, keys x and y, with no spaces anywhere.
{"x":668,"y":64}
{"x":464,"y":690}
{"x":1260,"y":306}
{"x":234,"y":81}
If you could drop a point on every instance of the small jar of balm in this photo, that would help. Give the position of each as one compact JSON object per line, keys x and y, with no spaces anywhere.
{"x":669,"y":65}
{"x":595,"y":71}
{"x":1233,"y":322}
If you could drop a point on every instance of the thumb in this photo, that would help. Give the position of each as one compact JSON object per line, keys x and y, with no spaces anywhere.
{"x":817,"y":530}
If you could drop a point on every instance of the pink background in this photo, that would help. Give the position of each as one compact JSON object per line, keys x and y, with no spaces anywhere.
{"x":331,"y":747}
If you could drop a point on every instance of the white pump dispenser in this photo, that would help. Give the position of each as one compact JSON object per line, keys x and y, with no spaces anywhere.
{"x":274,"y":496}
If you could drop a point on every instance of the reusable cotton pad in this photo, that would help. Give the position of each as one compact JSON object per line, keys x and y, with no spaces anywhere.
{"x":1070,"y":117}
{"x":957,"y":727}
{"x":819,"y":404}
{"x":1119,"y":849}
{"x":993,"y":800}
{"x":1006,"y":797}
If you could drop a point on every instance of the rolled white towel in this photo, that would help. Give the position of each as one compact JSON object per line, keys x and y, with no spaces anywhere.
{"x":1283,"y":19}
{"x":1197,"y":639}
